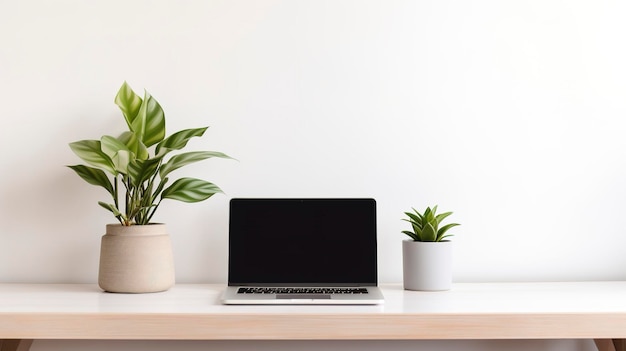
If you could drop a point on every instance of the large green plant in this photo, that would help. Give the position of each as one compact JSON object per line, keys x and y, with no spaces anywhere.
{"x":138,"y":162}
{"x":426,"y":225}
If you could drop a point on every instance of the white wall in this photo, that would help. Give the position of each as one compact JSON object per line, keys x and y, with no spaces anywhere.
{"x":509,"y":113}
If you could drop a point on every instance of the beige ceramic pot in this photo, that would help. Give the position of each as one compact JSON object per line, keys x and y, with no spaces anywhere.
{"x":136,"y":259}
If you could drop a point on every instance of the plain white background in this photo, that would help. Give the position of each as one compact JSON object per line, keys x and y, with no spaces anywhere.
{"x":510,"y":114}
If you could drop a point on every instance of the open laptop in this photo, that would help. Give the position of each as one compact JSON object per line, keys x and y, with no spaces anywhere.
{"x":302,"y":251}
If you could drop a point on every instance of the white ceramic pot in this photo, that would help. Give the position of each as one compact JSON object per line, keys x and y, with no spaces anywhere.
{"x":427,"y":266}
{"x":136,"y":259}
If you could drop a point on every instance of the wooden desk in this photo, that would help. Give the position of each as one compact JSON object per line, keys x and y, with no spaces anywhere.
{"x":593,"y":310}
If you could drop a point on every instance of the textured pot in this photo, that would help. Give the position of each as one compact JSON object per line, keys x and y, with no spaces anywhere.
{"x":427,"y":266}
{"x":136,"y":259}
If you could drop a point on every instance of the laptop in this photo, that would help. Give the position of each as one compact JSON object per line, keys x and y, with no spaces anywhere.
{"x":302,"y":251}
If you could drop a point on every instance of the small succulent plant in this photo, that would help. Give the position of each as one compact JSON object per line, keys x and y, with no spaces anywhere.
{"x":426,"y":226}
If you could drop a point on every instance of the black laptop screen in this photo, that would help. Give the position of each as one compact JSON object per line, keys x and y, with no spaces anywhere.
{"x":302,"y":242}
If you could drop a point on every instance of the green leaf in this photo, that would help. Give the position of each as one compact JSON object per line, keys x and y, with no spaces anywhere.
{"x":442,"y":216}
{"x":418,"y":214}
{"x":141,"y":170}
{"x":91,"y":152}
{"x":429,"y":216}
{"x":428,"y":233}
{"x":190,"y":190}
{"x":94,"y":176}
{"x":181,"y":160}
{"x":414,"y":218}
{"x":122,"y":160}
{"x":119,"y":215}
{"x":111,"y":208}
{"x":442,"y":231}
{"x":118,"y":152}
{"x":134,"y":145}
{"x":411,"y":235}
{"x":129,"y":103}
{"x":444,"y":237}
{"x":178,"y":140}
{"x":149,"y":125}
{"x":418,"y":231}
{"x":110,"y":145}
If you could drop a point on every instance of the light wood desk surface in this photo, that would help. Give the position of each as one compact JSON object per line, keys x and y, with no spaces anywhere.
{"x":567,"y":310}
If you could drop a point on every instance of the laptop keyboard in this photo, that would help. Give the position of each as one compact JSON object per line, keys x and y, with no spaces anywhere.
{"x":324,"y":291}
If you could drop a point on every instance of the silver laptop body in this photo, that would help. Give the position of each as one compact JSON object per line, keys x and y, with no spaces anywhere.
{"x":302,"y":251}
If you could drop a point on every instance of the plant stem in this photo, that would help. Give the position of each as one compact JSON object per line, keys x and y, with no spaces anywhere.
{"x":115,"y":195}
{"x":153,"y":211}
{"x":129,"y":193}
{"x":149,"y":197}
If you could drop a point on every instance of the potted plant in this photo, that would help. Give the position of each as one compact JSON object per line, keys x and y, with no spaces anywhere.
{"x":427,"y":255}
{"x":135,"y":168}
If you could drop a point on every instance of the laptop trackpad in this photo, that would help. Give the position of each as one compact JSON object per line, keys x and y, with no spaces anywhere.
{"x":302,"y":297}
